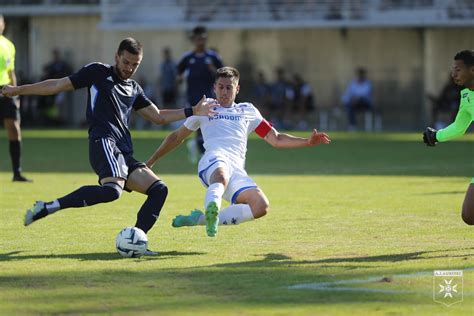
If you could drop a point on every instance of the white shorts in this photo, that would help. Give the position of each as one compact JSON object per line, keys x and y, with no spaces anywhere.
{"x":239,"y":180}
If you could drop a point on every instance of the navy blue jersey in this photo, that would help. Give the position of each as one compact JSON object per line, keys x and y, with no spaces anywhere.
{"x":199,"y":78}
{"x":110,"y":103}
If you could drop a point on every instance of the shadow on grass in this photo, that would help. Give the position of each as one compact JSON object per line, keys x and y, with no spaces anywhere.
{"x":443,"y":193}
{"x":270,"y":259}
{"x":273,"y":259}
{"x":261,"y":284}
{"x":98,"y":256}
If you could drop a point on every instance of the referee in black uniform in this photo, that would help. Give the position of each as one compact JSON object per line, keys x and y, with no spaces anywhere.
{"x":9,"y":107}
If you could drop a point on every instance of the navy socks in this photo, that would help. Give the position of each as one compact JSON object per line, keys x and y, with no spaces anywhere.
{"x":150,"y":210}
{"x":90,"y":195}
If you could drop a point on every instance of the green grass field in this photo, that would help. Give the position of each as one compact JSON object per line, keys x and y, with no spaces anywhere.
{"x":356,"y":227}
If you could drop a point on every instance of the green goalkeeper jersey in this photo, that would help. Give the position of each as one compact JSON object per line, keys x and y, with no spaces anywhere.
{"x":463,"y":119}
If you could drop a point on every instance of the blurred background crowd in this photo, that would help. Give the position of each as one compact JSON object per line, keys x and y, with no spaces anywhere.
{"x":338,"y":65}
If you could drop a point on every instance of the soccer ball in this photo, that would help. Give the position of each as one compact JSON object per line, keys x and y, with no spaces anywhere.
{"x":131,"y":242}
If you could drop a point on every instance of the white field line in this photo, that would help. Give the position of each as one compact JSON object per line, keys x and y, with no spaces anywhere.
{"x":335,"y":285}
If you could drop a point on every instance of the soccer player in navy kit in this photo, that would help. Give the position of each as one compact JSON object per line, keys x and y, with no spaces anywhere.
{"x":112,"y":96}
{"x":199,"y":67}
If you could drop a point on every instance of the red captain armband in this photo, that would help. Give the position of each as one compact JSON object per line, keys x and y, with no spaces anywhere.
{"x":263,"y":128}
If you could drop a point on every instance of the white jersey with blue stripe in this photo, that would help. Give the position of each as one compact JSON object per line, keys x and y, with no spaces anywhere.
{"x":227,"y":131}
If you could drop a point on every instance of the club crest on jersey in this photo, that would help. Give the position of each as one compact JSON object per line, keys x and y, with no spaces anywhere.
{"x":466,"y":96}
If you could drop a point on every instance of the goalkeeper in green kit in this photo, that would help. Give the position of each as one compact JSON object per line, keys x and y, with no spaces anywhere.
{"x":463,"y":75}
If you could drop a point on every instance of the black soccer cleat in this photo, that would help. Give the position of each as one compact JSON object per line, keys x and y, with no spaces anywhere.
{"x":20,"y":178}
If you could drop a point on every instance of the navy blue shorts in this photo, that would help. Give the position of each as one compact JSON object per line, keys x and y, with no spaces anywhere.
{"x":8,"y":109}
{"x":107,"y":160}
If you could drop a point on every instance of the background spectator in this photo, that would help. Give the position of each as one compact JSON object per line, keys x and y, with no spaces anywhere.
{"x":358,"y":96}
{"x":447,"y":101}
{"x":53,"y":108}
{"x":303,"y":102}
{"x":168,"y":80}
{"x":261,"y":94}
{"x":280,"y":94}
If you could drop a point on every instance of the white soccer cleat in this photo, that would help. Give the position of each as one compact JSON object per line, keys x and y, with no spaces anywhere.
{"x":36,"y":212}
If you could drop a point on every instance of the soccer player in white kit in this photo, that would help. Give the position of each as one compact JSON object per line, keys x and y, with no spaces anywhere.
{"x":222,"y":167}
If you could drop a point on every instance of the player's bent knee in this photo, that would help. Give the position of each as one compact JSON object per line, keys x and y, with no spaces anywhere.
{"x":467,"y":212}
{"x":158,"y":189}
{"x":467,"y":217}
{"x":111,"y":191}
{"x":260,"y":209}
{"x":265,"y":207}
{"x":468,"y":220}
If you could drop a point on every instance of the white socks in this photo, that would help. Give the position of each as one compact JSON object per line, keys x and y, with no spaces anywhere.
{"x":214,"y":194}
{"x":232,"y":215}
{"x":53,"y":206}
{"x":235,"y":214}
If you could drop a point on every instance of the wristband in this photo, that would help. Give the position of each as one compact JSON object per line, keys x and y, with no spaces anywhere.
{"x":188,"y":112}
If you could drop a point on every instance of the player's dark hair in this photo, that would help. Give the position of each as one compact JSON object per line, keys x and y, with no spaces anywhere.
{"x":228,"y":72}
{"x":199,"y":31}
{"x":131,"y":45}
{"x":467,"y":56}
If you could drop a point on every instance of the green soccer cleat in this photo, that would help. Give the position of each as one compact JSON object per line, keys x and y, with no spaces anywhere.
{"x":187,"y":220}
{"x":36,"y":212}
{"x":212,"y":219}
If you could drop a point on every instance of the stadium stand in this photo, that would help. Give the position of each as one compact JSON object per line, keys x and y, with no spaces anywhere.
{"x":256,"y":13}
{"x":286,"y":13}
{"x":321,"y":39}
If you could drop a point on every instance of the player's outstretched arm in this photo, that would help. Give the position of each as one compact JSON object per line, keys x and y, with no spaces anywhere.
{"x":280,"y":140}
{"x":458,"y":127}
{"x":46,"y":87}
{"x":172,"y":141}
{"x":205,"y":107}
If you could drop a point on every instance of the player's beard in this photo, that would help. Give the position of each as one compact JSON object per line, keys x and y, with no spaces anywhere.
{"x":122,"y":75}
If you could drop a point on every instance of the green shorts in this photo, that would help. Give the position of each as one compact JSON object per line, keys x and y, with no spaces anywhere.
{"x":472,"y":181}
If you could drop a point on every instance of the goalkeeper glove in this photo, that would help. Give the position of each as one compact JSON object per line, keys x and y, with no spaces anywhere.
{"x":429,"y":137}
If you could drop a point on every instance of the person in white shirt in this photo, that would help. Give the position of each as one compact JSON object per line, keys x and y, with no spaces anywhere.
{"x":358,"y":96}
{"x":222,"y":167}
